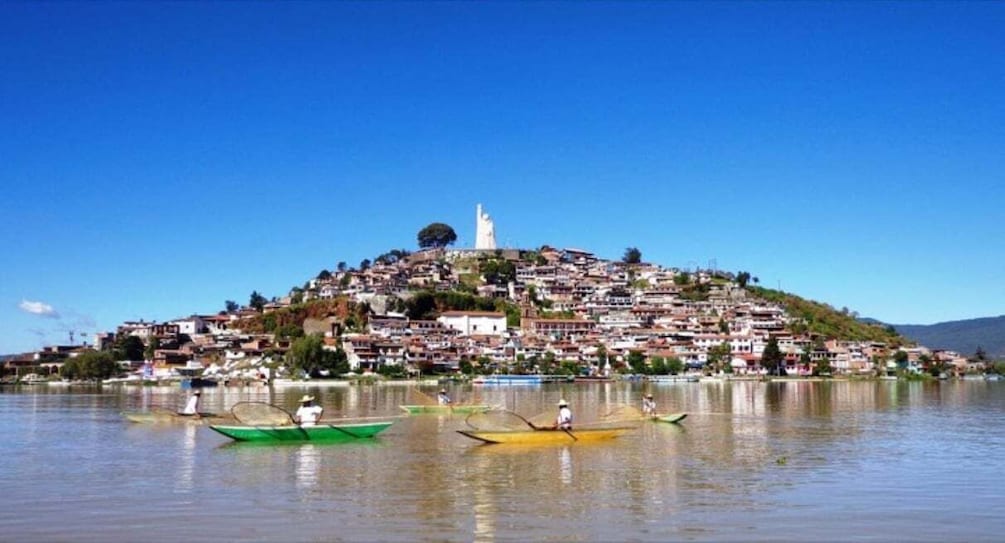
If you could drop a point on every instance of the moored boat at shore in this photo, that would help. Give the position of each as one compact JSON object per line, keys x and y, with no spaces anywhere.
{"x":322,"y":433}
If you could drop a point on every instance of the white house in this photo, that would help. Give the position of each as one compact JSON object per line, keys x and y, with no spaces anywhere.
{"x":475,"y":323}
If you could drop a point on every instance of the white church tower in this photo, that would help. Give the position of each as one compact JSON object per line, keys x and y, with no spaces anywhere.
{"x":485,"y":231}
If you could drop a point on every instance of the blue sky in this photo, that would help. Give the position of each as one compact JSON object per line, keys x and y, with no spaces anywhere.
{"x":158,"y":159}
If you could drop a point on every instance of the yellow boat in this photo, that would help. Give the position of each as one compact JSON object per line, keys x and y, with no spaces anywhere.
{"x":545,"y":436}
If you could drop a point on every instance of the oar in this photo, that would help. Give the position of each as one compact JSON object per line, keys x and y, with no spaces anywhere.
{"x":538,"y":428}
{"x":529,"y":423}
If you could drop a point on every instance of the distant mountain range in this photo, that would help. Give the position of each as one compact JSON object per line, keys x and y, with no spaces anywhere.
{"x":961,"y":336}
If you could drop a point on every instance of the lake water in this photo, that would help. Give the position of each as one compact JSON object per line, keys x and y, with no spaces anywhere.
{"x":793,"y":461}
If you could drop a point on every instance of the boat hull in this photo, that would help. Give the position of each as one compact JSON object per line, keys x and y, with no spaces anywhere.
{"x":547,"y":437}
{"x":444,"y":409}
{"x":169,"y":417}
{"x":327,"y":433}
{"x":671,"y":418}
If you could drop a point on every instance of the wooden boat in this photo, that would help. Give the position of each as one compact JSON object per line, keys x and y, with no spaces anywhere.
{"x":165,"y":416}
{"x":546,"y":435}
{"x":444,"y":409}
{"x":672,"y":417}
{"x":324,"y":432}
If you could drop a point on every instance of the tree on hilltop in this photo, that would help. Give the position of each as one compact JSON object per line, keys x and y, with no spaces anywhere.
{"x":632,"y":256}
{"x":324,"y":275}
{"x":257,"y":301}
{"x":231,"y":306}
{"x":742,"y":278}
{"x":437,"y":235}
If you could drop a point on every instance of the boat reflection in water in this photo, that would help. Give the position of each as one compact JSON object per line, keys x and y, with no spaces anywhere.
{"x":565,"y":465}
{"x":307,"y":461}
{"x":185,"y":480}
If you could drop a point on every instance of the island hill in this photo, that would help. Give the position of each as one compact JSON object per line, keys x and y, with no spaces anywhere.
{"x":549,"y":311}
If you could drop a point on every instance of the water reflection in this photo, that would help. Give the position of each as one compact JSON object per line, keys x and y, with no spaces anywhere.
{"x":565,"y":463}
{"x":308,"y":458}
{"x":750,"y":462}
{"x":186,"y":465}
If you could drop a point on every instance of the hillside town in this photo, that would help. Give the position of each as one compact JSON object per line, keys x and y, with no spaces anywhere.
{"x":555,"y":311}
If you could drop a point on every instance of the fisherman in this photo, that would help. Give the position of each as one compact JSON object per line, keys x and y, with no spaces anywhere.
{"x":192,"y":406}
{"x":648,"y":405}
{"x":308,"y":414}
{"x":564,"y":419}
{"x":442,"y":397}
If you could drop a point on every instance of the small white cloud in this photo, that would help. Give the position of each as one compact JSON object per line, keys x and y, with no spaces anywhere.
{"x":38,"y":308}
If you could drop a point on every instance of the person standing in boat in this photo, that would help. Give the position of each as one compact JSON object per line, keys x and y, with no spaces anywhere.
{"x":564,"y":419}
{"x":442,"y":397}
{"x":192,"y":405}
{"x":648,"y":405}
{"x":308,"y":414}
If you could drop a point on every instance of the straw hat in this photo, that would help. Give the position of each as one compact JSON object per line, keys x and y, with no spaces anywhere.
{"x":649,"y":395}
{"x":443,"y":391}
{"x":561,"y":403}
{"x":197,"y":392}
{"x":307,"y":398}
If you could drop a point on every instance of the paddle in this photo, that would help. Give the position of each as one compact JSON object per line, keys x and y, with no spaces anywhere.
{"x":543,"y":428}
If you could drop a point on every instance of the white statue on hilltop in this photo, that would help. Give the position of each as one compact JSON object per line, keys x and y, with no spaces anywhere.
{"x":485,"y":230}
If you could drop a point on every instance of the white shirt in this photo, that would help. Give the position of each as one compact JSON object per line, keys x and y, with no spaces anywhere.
{"x":192,"y":407}
{"x":648,"y":406}
{"x":564,"y":420}
{"x":444,"y":399}
{"x":309,"y":415}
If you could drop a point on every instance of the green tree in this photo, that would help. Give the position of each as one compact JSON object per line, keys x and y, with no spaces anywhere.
{"x":772,"y":358}
{"x":90,"y":365}
{"x":436,"y":235}
{"x":257,"y":301}
{"x":341,"y":266}
{"x":901,"y":358}
{"x":128,"y":347}
{"x":658,"y":365}
{"x":675,"y":366}
{"x":232,"y":306}
{"x":718,"y":357}
{"x":637,"y":362}
{"x":742,"y":278}
{"x":632,"y":256}
{"x":152,"y":346}
{"x":308,"y":355}
{"x":498,"y":272}
{"x":364,"y":264}
{"x":465,"y":365}
{"x":324,"y":275}
{"x":289,"y":330}
{"x":601,"y":356}
{"x":681,"y":279}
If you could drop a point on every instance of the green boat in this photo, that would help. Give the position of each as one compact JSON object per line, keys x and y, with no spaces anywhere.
{"x":672,"y":418}
{"x":444,"y":409}
{"x":326,"y":433}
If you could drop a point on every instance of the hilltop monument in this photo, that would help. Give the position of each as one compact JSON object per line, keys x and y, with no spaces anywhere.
{"x":485,"y":230}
